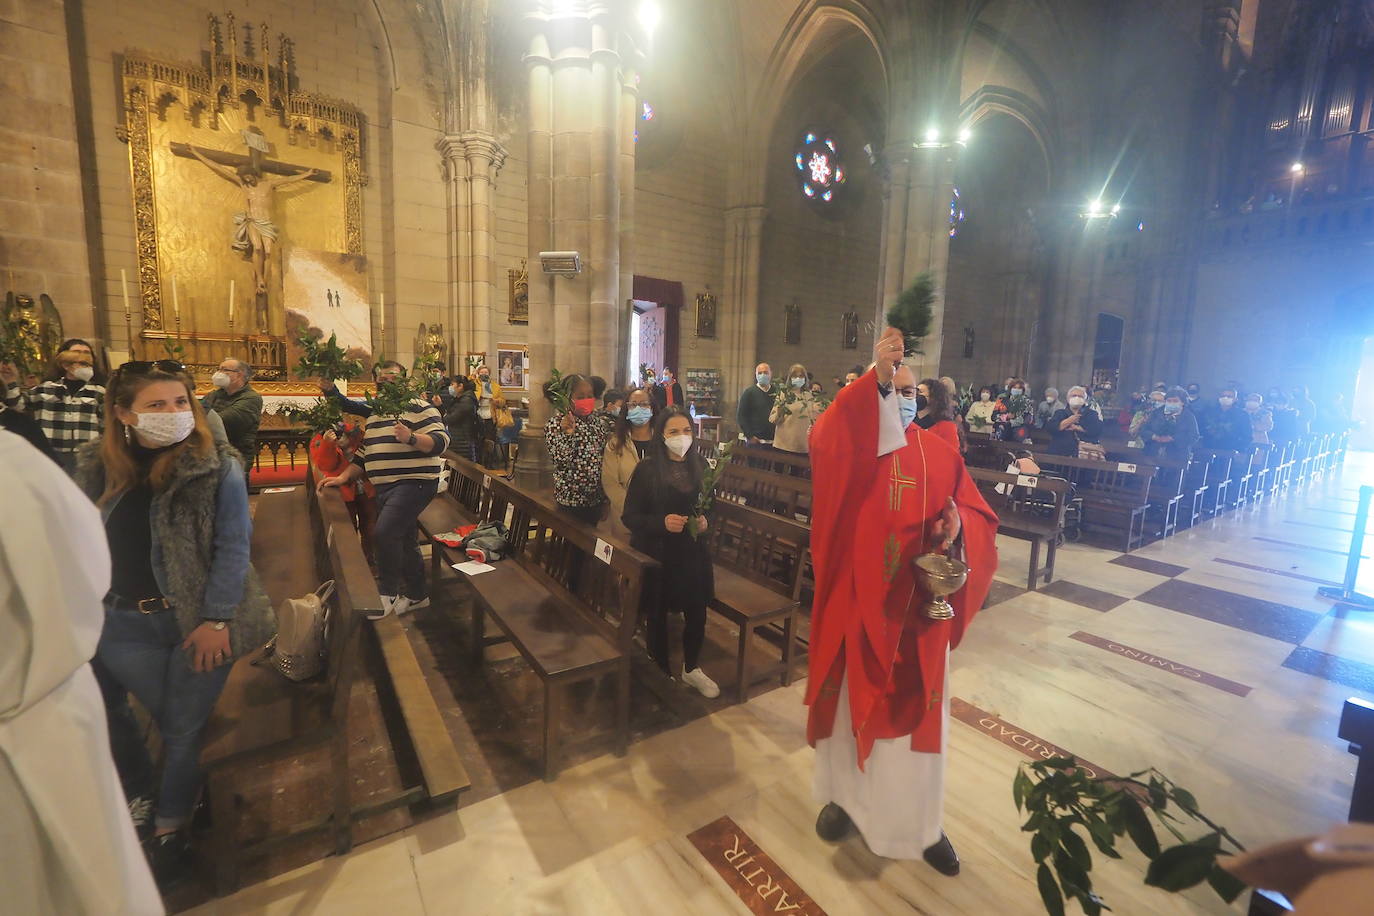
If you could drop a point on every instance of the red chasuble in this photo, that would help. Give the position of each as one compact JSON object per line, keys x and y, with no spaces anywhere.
{"x":871,"y":516}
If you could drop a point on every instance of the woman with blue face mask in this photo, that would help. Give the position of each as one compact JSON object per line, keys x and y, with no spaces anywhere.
{"x":625,"y":449}
{"x":794,"y":412}
{"x":1171,"y":431}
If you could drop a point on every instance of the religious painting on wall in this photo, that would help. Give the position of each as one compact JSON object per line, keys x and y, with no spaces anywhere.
{"x":706,"y":315}
{"x":512,"y":366}
{"x":792,"y":324}
{"x":327,"y":292}
{"x":519,"y":280}
{"x":849,"y":336}
{"x":233,"y":165}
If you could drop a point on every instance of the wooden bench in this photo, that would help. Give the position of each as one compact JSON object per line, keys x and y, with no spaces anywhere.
{"x":1029,"y":508}
{"x":777,"y":493}
{"x":1115,"y":494}
{"x":299,"y":540}
{"x":758,"y":558}
{"x":1196,"y":485}
{"x":1167,"y":494}
{"x":570,"y":613}
{"x":766,"y":458}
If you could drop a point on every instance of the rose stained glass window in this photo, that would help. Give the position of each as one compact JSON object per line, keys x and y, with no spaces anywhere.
{"x":819,"y":170}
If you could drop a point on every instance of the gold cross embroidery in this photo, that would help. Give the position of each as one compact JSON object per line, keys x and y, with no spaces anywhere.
{"x":899,"y":483}
{"x":936,"y":698}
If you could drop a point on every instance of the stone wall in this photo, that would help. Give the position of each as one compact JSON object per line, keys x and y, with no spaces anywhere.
{"x":43,"y":246}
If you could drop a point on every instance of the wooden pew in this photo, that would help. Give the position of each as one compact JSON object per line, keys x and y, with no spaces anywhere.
{"x":299,"y":540}
{"x":758,"y":559}
{"x":570,"y":613}
{"x":1196,"y":485}
{"x":1030,"y":508}
{"x":1115,"y":494}
{"x":1168,"y":493}
{"x":764,"y":458}
{"x":778,"y":493}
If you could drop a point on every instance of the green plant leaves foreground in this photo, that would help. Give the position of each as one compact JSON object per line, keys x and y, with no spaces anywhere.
{"x":1061,"y":799}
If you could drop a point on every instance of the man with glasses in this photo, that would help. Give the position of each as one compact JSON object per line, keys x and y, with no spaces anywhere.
{"x":239,"y":406}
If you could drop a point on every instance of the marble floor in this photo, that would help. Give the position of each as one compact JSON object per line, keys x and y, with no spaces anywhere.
{"x":1208,"y":656}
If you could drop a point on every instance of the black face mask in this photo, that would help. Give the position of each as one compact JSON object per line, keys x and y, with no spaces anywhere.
{"x":922,"y":402}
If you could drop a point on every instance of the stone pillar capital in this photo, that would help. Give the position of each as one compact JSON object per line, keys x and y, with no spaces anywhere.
{"x":477,"y":149}
{"x":751,"y":216}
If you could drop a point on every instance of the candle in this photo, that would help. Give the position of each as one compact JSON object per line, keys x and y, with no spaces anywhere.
{"x":124,"y":286}
{"x":381,"y":312}
{"x":231,"y":302}
{"x":176,"y":300}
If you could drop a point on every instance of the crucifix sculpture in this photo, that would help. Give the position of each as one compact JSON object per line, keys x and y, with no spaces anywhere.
{"x":255,"y":233}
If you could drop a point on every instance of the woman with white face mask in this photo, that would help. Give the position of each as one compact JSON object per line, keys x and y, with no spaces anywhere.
{"x":794,"y":412}
{"x":1075,"y":424}
{"x":660,"y":512}
{"x":183,"y":602}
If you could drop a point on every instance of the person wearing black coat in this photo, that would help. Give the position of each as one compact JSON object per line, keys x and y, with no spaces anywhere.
{"x":666,"y":393}
{"x":461,"y":417}
{"x":1172,"y":431}
{"x":660,"y":513}
{"x":1226,"y":426}
{"x":1073,"y":424}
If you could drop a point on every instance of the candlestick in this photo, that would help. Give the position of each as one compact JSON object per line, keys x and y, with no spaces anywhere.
{"x":176,"y":301}
{"x":124,"y":287}
{"x":381,"y":313}
{"x":231,"y":303}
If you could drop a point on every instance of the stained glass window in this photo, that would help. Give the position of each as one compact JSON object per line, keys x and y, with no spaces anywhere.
{"x":820,"y":172}
{"x":956,"y":214}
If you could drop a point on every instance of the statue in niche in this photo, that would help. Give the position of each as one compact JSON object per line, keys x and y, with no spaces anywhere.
{"x":850,"y":335}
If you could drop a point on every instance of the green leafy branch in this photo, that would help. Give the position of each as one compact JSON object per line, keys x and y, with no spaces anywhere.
{"x":1018,"y":405}
{"x":1058,"y":796}
{"x":319,"y":417}
{"x":173,"y":348}
{"x":914,"y":310}
{"x":646,"y":374}
{"x":707,"y":496}
{"x":559,"y":394}
{"x":396,"y":396}
{"x":325,"y":359}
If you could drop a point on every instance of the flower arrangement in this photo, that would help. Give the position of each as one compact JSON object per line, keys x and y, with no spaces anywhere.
{"x":1059,"y":796}
{"x":325,"y":360}
{"x":965,"y":399}
{"x":707,"y":495}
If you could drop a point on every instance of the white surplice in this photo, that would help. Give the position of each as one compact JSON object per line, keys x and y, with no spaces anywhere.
{"x":68,"y":844}
{"x":897,"y":799}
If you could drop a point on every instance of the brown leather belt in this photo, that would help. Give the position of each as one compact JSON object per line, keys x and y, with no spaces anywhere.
{"x":145,"y":605}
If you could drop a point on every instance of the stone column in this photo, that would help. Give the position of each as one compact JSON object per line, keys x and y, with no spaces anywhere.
{"x":916,"y":236}
{"x":739,"y":319}
{"x":603,"y":261}
{"x":629,"y":124}
{"x":472,"y":159}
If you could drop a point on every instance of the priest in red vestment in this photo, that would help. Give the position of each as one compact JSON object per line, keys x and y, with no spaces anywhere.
{"x":885,"y":492}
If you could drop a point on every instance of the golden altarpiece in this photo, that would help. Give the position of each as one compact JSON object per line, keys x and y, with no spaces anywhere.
{"x":247,"y":195}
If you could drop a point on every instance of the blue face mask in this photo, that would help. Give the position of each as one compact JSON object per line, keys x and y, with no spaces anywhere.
{"x":1172,"y":409}
{"x":907,"y":407}
{"x":798,"y":383}
{"x":638,"y":416}
{"x":764,"y":378}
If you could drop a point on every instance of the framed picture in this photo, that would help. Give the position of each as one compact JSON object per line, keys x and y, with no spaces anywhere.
{"x":706,"y":315}
{"x":512,"y":366}
{"x":519,"y":282}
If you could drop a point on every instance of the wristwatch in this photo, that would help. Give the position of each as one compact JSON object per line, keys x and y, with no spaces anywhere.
{"x":218,"y":624}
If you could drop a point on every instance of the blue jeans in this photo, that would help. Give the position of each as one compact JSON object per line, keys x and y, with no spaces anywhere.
{"x":141,"y":654}
{"x":400,"y":568}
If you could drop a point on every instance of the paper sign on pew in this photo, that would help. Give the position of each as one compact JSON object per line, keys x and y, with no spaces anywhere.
{"x":604,"y":551}
{"x":486,"y":481}
{"x":1026,"y":480}
{"x":1125,"y":468}
{"x":473,"y":568}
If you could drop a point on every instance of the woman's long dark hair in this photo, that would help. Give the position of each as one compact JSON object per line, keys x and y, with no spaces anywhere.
{"x":938,"y":399}
{"x":623,"y":426}
{"x":656,"y":458}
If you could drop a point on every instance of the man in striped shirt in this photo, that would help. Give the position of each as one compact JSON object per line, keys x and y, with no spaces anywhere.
{"x":70,"y":410}
{"x":401,"y":456}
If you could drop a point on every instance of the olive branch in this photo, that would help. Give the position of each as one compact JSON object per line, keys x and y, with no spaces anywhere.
{"x":1058,"y":796}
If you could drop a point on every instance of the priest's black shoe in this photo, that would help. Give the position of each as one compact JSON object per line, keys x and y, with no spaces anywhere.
{"x":942,"y":857}
{"x":833,"y":824}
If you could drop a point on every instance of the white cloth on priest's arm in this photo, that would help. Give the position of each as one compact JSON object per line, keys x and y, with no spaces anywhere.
{"x":897,"y":800}
{"x":67,"y":844}
{"x":891,"y":432}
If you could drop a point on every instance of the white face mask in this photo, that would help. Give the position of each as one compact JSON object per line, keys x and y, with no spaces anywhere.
{"x":984,"y":396}
{"x":159,"y":428}
{"x":1226,"y":402}
{"x":220,"y":379}
{"x":679,"y":444}
{"x":84,"y":373}
{"x":1076,"y":401}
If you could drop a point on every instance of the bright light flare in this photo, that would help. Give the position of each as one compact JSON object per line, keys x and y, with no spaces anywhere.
{"x":649,"y":15}
{"x":933,"y":135}
{"x":1296,"y":168}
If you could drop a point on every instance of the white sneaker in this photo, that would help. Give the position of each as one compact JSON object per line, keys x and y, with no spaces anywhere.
{"x":703,"y":684}
{"x":401,"y":606}
{"x":415,"y":605}
{"x":388,"y":605}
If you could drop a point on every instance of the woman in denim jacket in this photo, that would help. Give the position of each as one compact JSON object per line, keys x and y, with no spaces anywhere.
{"x":183,"y":600}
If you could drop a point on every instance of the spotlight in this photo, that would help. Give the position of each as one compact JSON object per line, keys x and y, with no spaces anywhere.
{"x":965,"y":135}
{"x":1116,"y":208}
{"x":649,"y":15}
{"x":933,"y":135}
{"x":1296,"y":168}
{"x":1095,"y":208}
